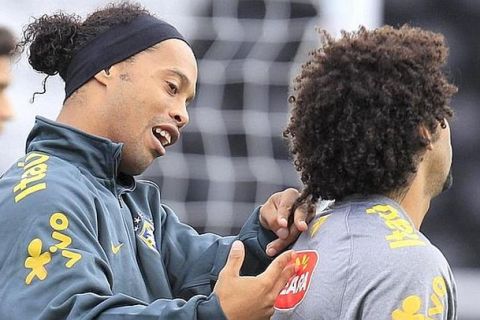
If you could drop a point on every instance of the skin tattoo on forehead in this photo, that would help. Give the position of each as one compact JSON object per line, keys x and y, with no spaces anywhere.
{"x":125,"y":77}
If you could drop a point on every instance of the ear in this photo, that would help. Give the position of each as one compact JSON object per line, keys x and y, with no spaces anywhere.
{"x":427,"y":135}
{"x":106,"y":75}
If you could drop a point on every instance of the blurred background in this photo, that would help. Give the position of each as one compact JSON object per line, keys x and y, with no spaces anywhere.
{"x":232,"y":156}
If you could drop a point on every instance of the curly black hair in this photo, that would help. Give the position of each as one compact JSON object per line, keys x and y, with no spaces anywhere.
{"x":54,"y":39}
{"x":357,"y":106}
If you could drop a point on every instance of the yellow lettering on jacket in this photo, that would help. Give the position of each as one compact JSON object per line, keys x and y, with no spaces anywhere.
{"x":34,"y":171}
{"x":37,"y":259}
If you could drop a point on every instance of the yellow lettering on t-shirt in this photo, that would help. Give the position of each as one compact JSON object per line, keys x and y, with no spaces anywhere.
{"x":411,"y":305}
{"x":439,"y":291}
{"x":403,"y":233}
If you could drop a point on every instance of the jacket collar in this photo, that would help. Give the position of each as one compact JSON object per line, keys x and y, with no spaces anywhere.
{"x":100,"y":156}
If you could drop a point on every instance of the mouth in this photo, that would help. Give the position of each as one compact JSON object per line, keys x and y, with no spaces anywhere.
{"x":163,"y":136}
{"x":166,"y":134}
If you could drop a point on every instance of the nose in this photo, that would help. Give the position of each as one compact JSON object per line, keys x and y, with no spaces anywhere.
{"x":180,"y":115}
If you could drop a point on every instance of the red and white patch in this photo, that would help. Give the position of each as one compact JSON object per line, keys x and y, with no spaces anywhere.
{"x":297,"y":286}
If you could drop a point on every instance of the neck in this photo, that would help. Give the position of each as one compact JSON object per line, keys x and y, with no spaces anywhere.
{"x":416,"y":200}
{"x":83,"y":114}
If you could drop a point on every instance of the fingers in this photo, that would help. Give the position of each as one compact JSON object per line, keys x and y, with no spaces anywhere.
{"x":279,"y":245}
{"x":286,"y":274}
{"x":287,"y":200}
{"x":268,"y":213}
{"x":275,"y":271}
{"x":302,"y":216}
{"x":235,"y":259}
{"x":274,"y":214}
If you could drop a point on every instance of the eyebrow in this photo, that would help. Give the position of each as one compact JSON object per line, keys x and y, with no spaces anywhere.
{"x":184,"y":79}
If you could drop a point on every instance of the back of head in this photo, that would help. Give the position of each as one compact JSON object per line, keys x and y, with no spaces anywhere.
{"x":7,"y":42}
{"x":357,"y":107}
{"x":54,"y":39}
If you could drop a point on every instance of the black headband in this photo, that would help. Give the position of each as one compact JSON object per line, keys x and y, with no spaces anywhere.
{"x":115,"y":45}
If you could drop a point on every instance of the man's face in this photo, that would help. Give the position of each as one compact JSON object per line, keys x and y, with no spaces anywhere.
{"x":147,"y":102}
{"x":441,"y":161}
{"x":6,"y":111}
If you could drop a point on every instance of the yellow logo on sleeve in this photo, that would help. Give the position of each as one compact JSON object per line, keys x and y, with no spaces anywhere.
{"x":411,"y":305}
{"x":317,"y":224}
{"x":403,"y":233}
{"x":36,"y":261}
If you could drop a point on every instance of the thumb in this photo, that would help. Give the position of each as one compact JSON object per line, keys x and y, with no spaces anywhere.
{"x":274,"y":271}
{"x":235,"y":259}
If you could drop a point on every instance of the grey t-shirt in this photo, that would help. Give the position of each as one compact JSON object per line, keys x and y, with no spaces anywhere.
{"x":363,"y":259}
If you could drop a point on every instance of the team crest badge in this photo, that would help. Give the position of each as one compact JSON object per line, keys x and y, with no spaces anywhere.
{"x":297,"y":286}
{"x":145,"y":230}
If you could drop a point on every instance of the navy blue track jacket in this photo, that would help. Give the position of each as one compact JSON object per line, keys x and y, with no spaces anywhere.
{"x":81,"y":241}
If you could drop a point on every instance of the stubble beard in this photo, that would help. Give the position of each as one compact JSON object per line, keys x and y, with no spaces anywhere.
{"x":448,"y":181}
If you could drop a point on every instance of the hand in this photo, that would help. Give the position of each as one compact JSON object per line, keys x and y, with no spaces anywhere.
{"x":275,"y":215}
{"x":251,"y":297}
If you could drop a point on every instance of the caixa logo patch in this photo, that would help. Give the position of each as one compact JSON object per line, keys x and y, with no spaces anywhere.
{"x":297,"y":286}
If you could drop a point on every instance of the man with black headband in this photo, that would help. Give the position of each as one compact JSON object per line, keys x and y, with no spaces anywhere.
{"x":80,"y":237}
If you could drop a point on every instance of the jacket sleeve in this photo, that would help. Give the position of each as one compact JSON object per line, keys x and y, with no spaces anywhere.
{"x":53,"y":266}
{"x":193,"y":260}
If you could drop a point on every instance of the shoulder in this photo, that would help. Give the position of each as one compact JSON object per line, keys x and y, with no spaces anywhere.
{"x":370,"y":244}
{"x":42,"y":196}
{"x":389,"y":252}
{"x":385,"y":229}
{"x":40,"y":182}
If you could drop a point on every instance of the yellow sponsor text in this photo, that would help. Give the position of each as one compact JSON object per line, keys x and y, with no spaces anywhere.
{"x":34,"y":172}
{"x":59,"y":222}
{"x":411,"y":305}
{"x":37,"y":260}
{"x":403,"y":233}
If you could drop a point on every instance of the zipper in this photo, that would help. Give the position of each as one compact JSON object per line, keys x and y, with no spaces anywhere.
{"x":120,"y":200}
{"x":115,"y":173}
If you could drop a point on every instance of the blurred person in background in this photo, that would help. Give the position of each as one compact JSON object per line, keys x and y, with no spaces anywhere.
{"x":81,"y":238}
{"x":7,"y":49}
{"x":370,"y":129}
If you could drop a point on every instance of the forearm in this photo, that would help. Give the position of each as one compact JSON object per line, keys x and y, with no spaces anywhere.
{"x":198,"y":307}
